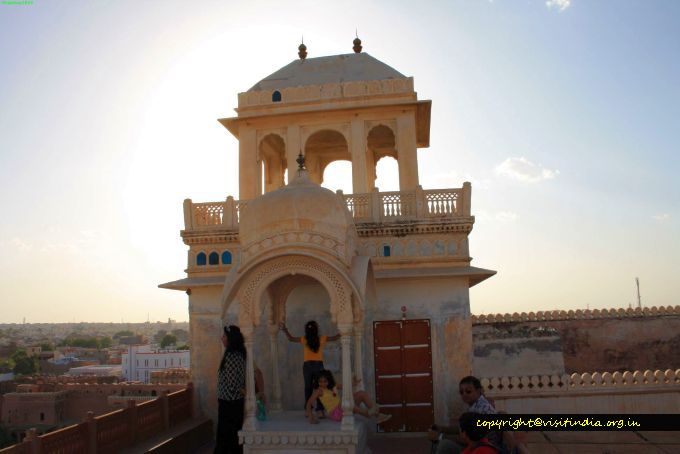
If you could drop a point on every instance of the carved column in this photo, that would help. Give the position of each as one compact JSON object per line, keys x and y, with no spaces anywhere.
{"x":250,"y":420}
{"x":276,"y":383}
{"x":406,"y":152}
{"x":347,"y":394}
{"x":358,"y":152}
{"x":358,"y":354}
{"x":249,"y":168}
{"x":293,"y":147}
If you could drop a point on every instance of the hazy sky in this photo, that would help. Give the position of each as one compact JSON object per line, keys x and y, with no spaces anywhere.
{"x":563,"y":114}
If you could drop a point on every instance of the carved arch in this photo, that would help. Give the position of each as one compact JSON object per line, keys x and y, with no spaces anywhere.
{"x":258,"y":280}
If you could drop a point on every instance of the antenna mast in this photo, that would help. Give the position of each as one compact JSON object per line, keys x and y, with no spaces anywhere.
{"x":637,"y":283}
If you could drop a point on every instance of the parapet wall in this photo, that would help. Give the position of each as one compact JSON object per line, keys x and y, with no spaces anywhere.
{"x":605,"y":340}
{"x":646,"y":391}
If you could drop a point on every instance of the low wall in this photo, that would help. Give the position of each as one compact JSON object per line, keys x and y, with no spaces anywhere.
{"x":628,"y":392}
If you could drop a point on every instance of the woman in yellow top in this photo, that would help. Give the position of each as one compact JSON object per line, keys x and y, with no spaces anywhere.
{"x":312,"y":345}
{"x":326,"y":391}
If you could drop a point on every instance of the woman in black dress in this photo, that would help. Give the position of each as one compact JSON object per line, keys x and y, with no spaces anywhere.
{"x":231,"y":385}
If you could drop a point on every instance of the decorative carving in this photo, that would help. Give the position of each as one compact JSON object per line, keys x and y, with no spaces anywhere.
{"x":266,"y":273}
{"x":577,"y":315}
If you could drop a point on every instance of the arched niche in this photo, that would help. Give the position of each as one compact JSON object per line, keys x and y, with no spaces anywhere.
{"x":322,"y":148}
{"x":272,"y":153}
{"x":380,"y":142}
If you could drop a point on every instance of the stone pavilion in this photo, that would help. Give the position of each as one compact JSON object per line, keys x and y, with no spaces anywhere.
{"x":389,"y":271}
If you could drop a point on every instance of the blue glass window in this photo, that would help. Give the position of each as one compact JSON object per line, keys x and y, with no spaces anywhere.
{"x":386,"y":251}
{"x":276,"y":96}
{"x":200,"y":259}
{"x":226,"y":258}
{"x":213,"y":259}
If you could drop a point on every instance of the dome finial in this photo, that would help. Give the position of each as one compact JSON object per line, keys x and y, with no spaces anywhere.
{"x":302,"y":49}
{"x":357,"y":42}
{"x":301,"y":161}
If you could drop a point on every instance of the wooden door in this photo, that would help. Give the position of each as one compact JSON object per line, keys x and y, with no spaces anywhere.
{"x":403,"y":374}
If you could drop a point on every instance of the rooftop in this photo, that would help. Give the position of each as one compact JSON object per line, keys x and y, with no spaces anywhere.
{"x":328,"y":70}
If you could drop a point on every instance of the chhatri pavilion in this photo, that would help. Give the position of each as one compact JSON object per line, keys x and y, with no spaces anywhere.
{"x":389,"y":271}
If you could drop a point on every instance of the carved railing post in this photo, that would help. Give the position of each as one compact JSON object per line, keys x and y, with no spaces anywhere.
{"x":421,"y":204}
{"x":347,"y":394}
{"x":91,"y":432}
{"x":276,"y":383}
{"x":188,"y":215}
{"x":165,"y":409}
{"x":33,"y":441}
{"x":376,"y":206}
{"x":132,"y":421}
{"x":467,"y":199}
{"x":230,"y":218}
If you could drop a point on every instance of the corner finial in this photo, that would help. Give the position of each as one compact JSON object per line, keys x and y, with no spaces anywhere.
{"x":301,"y":161}
{"x":302,"y":49}
{"x":357,"y":42}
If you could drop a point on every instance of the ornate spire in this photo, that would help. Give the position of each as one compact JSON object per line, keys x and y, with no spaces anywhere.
{"x":357,"y":43}
{"x":301,"y":161}
{"x":302,"y":49}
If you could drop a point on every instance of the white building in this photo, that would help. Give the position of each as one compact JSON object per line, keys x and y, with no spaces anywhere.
{"x":140,"y":360}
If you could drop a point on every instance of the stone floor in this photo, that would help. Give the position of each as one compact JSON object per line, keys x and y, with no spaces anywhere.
{"x":556,"y":443}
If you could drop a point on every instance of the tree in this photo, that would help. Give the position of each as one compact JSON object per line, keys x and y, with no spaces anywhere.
{"x":46,"y":347}
{"x":181,"y":334}
{"x":158,"y":337}
{"x":23,"y":365}
{"x":168,"y":339}
{"x":124,"y":333}
{"x":105,"y":342}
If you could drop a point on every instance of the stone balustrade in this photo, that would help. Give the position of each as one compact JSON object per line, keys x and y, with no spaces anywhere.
{"x":374,"y":207}
{"x":325,"y":92}
{"x":113,"y":431}
{"x":646,"y":391}
{"x":579,"y":314}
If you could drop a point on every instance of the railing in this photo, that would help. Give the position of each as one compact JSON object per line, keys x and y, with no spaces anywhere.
{"x":371,"y":207}
{"x":655,"y":391}
{"x":112,"y":432}
{"x":579,"y":314}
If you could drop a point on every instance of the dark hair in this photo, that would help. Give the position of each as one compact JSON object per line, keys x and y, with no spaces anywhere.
{"x":468,"y":424}
{"x":235,"y":343}
{"x":470,"y":380}
{"x":312,"y":335}
{"x":325,"y":373}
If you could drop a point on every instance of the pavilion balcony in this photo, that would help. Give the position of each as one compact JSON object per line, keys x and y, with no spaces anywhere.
{"x":371,"y":208}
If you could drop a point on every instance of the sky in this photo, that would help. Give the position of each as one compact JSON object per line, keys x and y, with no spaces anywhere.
{"x":563,"y":114}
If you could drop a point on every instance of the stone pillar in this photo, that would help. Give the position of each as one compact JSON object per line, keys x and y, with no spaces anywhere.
{"x":406,"y":152}
{"x":358,"y":355}
{"x":275,"y":404}
{"x":358,"y":152}
{"x":249,"y":171}
{"x":347,"y":394}
{"x":293,"y":148}
{"x":250,"y":420}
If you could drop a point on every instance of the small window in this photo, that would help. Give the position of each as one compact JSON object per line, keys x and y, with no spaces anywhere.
{"x":386,"y":251}
{"x":200,"y":259}
{"x":276,"y":96}
{"x":226,"y":258}
{"x":42,"y":416}
{"x":213,"y":259}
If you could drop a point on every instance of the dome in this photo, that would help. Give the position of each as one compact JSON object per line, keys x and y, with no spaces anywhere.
{"x":301,"y":215}
{"x":328,"y":70}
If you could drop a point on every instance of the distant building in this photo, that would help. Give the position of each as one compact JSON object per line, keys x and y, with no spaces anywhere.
{"x":105,"y":370}
{"x":140,"y":360}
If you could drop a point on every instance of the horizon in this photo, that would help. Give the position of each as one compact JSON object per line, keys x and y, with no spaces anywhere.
{"x":561,"y":113}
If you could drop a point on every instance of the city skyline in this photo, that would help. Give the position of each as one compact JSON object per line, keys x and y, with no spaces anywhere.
{"x":561,"y":114}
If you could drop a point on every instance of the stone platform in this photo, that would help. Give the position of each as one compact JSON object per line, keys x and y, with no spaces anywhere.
{"x":291,"y":432}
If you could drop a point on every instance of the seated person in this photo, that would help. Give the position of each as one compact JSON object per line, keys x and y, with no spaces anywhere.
{"x":328,"y":393}
{"x":471,"y":392}
{"x":474,"y":436}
